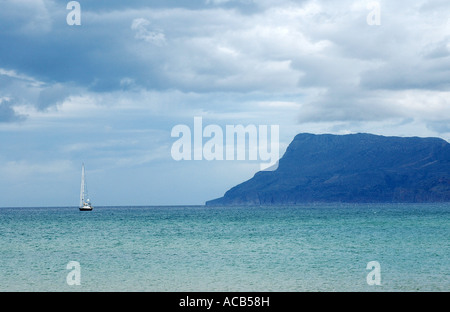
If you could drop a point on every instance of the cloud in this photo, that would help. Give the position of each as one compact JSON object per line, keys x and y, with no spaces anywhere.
{"x":23,"y":17}
{"x":140,"y":26}
{"x":219,"y":57}
{"x":398,"y":70}
{"x":7,"y":112}
{"x":324,"y":52}
{"x":18,"y":90}
{"x":53,"y":95}
{"x":165,"y":48}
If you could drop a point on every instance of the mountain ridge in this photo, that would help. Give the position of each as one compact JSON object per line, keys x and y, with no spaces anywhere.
{"x":359,"y":167}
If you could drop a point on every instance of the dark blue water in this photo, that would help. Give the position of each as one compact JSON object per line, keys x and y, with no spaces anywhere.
{"x":195,"y":248}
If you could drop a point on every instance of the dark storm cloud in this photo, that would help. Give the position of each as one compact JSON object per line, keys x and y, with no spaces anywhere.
{"x":323,"y":49}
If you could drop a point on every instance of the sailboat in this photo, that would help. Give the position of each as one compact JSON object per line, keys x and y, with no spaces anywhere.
{"x":85,"y":204}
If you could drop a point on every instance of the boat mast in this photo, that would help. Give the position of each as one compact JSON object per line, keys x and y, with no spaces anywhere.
{"x":82,"y":187}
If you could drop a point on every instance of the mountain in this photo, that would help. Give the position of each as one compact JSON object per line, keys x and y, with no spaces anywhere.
{"x":351,"y":168}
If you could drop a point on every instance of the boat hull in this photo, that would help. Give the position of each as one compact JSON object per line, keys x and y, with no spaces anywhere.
{"x":85,"y":208}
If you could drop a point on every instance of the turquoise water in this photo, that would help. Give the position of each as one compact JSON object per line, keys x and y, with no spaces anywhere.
{"x":196,"y":248}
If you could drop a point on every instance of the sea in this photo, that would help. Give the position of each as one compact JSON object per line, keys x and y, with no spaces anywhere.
{"x":305,"y":248}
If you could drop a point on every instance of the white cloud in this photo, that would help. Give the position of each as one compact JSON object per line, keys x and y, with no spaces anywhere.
{"x":140,"y":26}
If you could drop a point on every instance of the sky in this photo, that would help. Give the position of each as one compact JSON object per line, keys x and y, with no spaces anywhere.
{"x":108,"y":91}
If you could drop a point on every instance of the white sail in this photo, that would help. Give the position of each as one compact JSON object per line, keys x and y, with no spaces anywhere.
{"x":82,"y":186}
{"x":84,"y":200}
